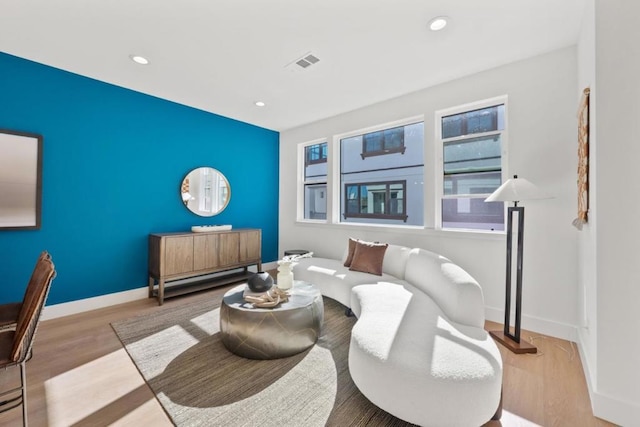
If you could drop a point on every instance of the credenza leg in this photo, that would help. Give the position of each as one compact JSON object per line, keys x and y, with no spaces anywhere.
{"x":151,"y":283}
{"x":160,"y":292}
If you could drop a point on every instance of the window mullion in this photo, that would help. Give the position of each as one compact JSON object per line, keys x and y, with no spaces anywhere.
{"x":387,"y":199}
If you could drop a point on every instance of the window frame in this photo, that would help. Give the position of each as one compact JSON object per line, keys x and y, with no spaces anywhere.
{"x":383,"y":151}
{"x":302,"y":182}
{"x":385,"y":215}
{"x":439,"y":195}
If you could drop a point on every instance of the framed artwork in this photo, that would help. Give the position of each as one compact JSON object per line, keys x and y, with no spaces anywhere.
{"x":20,"y":180}
{"x":583,"y":160}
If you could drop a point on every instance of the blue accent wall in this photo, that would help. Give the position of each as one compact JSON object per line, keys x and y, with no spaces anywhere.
{"x":113,"y":163}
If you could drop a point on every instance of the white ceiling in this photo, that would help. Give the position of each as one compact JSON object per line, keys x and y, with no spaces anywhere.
{"x":223,"y":55}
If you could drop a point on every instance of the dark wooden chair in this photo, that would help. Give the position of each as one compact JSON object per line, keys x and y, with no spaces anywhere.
{"x":15,"y":344}
{"x":9,"y":312}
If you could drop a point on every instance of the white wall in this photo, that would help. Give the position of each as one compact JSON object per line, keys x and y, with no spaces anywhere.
{"x":542,"y":148}
{"x":618,"y":207}
{"x":587,"y":255}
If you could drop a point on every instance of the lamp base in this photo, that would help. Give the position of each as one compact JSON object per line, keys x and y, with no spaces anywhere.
{"x":518,"y":348}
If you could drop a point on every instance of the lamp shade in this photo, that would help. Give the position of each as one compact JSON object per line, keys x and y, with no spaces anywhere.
{"x":515,"y":190}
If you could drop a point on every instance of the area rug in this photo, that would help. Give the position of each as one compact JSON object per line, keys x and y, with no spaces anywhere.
{"x":198,"y":381}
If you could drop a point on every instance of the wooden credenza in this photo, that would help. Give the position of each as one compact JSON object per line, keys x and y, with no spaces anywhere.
{"x":175,"y":256}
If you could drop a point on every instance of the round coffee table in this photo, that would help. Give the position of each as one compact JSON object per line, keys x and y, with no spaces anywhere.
{"x":271,"y":333}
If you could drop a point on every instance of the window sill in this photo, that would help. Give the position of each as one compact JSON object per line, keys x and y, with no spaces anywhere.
{"x":409,"y":229}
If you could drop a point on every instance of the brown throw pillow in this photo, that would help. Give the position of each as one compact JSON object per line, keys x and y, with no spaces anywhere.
{"x":352,"y":248}
{"x":368,"y":257}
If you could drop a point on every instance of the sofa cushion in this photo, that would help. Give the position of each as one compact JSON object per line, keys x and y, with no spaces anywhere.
{"x":395,"y":260}
{"x":368,"y":257}
{"x":334,"y":279}
{"x":351,"y":248}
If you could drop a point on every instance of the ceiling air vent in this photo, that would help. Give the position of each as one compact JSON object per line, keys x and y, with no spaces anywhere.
{"x":306,"y":61}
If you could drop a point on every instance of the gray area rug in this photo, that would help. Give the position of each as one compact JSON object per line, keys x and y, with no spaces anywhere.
{"x":200,"y":383}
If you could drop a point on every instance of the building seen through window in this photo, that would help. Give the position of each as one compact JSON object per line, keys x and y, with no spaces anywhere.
{"x":378,"y":174}
{"x":382,"y":176}
{"x":315,"y":181}
{"x":316,"y":153}
{"x":376,"y":200}
{"x":472,"y":168}
{"x":383,"y":142}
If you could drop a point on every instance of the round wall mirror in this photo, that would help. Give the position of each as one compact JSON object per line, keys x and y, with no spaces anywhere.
{"x":205,"y":191}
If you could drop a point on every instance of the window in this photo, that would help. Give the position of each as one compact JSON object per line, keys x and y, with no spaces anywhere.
{"x":316,"y":153}
{"x":472,"y":144}
{"x":385,"y":189}
{"x":376,"y":200}
{"x":378,"y":174}
{"x":315,"y":181}
{"x":383,"y":142}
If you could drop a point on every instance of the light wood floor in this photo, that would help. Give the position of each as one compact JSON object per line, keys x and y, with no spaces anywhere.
{"x":80,"y":375}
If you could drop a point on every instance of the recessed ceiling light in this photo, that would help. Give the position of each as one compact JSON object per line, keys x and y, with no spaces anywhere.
{"x":260,"y":104}
{"x":438,"y":23}
{"x":139,"y":59}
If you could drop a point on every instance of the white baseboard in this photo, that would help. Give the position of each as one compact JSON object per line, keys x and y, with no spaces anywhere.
{"x":537,"y":324}
{"x":615,"y":410}
{"x":94,"y":303}
{"x":102,"y":301}
{"x":606,"y":407}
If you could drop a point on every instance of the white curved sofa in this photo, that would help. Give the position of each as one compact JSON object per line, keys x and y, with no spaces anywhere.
{"x":418,"y":349}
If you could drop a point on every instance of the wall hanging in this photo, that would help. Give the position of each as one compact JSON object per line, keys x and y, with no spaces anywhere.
{"x":583,"y":160}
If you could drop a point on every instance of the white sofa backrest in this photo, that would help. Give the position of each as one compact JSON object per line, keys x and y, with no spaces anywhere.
{"x":394,"y":262}
{"x":451,"y":287}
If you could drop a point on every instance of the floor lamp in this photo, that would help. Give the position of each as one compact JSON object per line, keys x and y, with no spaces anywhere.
{"x":514,"y":190}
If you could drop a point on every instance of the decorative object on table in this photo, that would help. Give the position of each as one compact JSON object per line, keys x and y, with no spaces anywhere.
{"x":208,"y":228}
{"x":583,"y":160}
{"x":284,"y":278}
{"x":268,"y":299}
{"x":514,"y":190}
{"x":260,"y":282}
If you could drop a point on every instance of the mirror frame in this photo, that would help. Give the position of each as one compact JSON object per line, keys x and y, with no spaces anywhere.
{"x":183,"y":183}
{"x":37,"y":139}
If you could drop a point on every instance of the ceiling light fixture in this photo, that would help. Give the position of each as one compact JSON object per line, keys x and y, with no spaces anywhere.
{"x":260,"y":104}
{"x":139,"y":59}
{"x":438,"y":23}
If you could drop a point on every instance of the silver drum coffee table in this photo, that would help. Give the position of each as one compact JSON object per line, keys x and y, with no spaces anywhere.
{"x":271,"y":333}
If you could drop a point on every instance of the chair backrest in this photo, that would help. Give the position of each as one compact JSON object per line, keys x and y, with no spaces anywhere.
{"x":32,"y":282}
{"x":34,"y":300}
